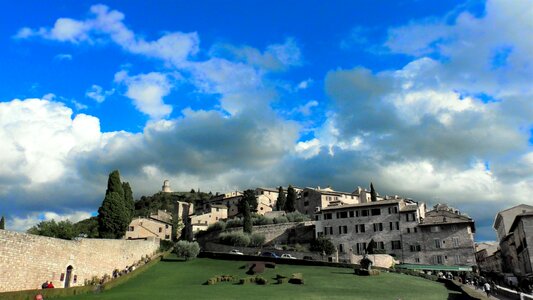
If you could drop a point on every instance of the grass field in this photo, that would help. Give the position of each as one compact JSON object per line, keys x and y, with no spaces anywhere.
{"x":174,"y":279}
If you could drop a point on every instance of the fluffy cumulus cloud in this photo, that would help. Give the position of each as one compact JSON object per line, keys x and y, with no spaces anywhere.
{"x":147,"y":92}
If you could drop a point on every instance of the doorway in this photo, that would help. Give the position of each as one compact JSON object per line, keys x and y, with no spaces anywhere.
{"x":68,"y":276}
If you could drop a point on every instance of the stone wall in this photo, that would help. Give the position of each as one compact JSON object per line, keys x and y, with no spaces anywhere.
{"x":26,"y":260}
{"x":286,"y":233}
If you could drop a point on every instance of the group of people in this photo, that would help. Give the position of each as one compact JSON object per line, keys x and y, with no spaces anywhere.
{"x":47,"y":285}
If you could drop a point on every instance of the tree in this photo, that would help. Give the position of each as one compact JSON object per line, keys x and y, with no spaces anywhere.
{"x":114,"y":184}
{"x":370,"y":249}
{"x":280,"y":203}
{"x":247,"y":203}
{"x":373,"y":194}
{"x":290,"y":204}
{"x":128,"y":199}
{"x":62,"y":230}
{"x":3,"y":223}
{"x":322,"y":245}
{"x":113,"y":219}
{"x":187,"y":250}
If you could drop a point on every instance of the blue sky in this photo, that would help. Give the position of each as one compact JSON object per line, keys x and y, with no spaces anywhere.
{"x":429,"y":100}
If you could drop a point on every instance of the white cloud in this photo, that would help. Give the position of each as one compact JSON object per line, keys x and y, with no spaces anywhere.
{"x":306,"y":108}
{"x":147,"y":92}
{"x":98,"y":94}
{"x":63,"y":56}
{"x":308,"y":149}
{"x":104,"y":24}
{"x":304,"y":84}
{"x":24,"y":223}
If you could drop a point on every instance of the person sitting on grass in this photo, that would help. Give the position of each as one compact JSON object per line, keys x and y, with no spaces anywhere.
{"x":50,"y":285}
{"x":45,"y":284}
{"x":39,"y":297}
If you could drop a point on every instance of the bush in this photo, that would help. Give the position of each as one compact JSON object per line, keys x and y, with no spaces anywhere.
{"x":280,"y":220}
{"x":297,"y":278}
{"x":297,"y":216}
{"x":165,"y":245}
{"x":186,"y":249}
{"x":218,"y":226}
{"x":260,"y":280}
{"x":262,"y":220}
{"x":322,"y":244}
{"x":234,"y":238}
{"x":235,"y":222}
{"x":300,"y":248}
{"x":257,"y":240}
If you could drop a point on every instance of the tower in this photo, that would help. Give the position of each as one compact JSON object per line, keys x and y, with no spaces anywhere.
{"x":166,"y":187}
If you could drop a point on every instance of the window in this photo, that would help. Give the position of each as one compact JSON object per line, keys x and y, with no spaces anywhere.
{"x":375,"y":212}
{"x":378,"y":227}
{"x":408,"y":230}
{"x":454,"y":227}
{"x":396,"y":245}
{"x":437,"y":243}
{"x":437,"y":259}
{"x":306,"y":203}
{"x":360,"y":228}
{"x":410,"y":217}
{"x":166,"y":226}
{"x":327,"y":216}
{"x":167,"y":237}
{"x":356,"y":213}
{"x":306,"y":194}
{"x":342,"y":215}
{"x":343,"y":229}
{"x":360,"y":248}
{"x":435,"y":228}
{"x":457,"y":259}
{"x":455,"y":242}
{"x":417,"y":259}
{"x":394,"y":225}
{"x":160,"y":229}
{"x":328,"y":230}
{"x":132,"y":228}
{"x":390,"y":225}
{"x":352,"y":214}
{"x":380,"y":245}
{"x":364,"y":213}
{"x":416,"y":229}
{"x":415,"y":248}
{"x":341,"y":248}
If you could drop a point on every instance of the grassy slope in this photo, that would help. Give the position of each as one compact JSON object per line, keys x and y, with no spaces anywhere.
{"x":183,"y":280}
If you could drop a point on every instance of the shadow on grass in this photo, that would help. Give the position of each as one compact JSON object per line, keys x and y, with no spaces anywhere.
{"x":166,"y":259}
{"x":346,"y":273}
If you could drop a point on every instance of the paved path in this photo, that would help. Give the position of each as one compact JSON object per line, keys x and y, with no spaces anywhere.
{"x":482,"y":293}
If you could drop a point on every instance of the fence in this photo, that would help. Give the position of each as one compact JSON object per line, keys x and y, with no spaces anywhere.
{"x":512,"y":294}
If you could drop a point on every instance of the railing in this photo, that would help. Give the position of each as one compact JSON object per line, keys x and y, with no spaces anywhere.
{"x":512,"y":294}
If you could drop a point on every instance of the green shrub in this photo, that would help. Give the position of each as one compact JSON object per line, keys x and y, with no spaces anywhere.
{"x":218,"y":226}
{"x":300,"y":248}
{"x":257,"y":240}
{"x":260,"y":280}
{"x":235,"y":222}
{"x":322,"y":244}
{"x":186,"y":249}
{"x":262,"y":220}
{"x":165,"y":245}
{"x":234,"y":238}
{"x":280,"y":220}
{"x":297,"y":216}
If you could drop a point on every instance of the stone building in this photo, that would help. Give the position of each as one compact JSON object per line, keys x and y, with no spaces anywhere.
{"x":141,"y":228}
{"x":166,"y":187}
{"x":230,"y":200}
{"x":522,"y":238}
{"x":214,"y":213}
{"x":401,"y":228}
{"x":502,"y":224}
{"x":488,"y":257}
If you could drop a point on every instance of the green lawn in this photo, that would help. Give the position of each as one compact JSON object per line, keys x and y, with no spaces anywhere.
{"x":184,"y":280}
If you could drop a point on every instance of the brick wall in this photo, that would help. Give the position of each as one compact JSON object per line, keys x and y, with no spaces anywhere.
{"x":26,"y":260}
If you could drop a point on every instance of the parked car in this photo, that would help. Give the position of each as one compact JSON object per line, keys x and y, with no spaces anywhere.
{"x":269,"y":254}
{"x":308,"y":258}
{"x":235,"y":251}
{"x":288,"y":256}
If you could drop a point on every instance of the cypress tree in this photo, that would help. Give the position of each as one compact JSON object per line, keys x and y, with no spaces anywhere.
{"x":247,"y":219}
{"x":290,"y":204}
{"x":3,"y":223}
{"x":373,"y":194}
{"x":112,"y":219}
{"x":280,"y":203}
{"x":114,"y":184}
{"x":128,"y":199}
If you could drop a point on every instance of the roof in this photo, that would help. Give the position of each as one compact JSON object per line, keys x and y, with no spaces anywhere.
{"x":433,"y":267}
{"x":444,"y":217}
{"x":377,"y":203}
{"x":501,"y":213}
{"x":517,"y":219}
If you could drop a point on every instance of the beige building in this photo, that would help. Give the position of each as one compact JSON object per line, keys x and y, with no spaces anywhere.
{"x":213,"y":214}
{"x":313,"y":199}
{"x":140,"y":228}
{"x":487,"y":257}
{"x":230,"y":200}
